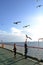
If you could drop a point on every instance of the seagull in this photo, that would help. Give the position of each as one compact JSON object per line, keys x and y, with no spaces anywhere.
{"x":28,"y":37}
{"x":39,"y":6}
{"x":26,"y":26}
{"x":17,"y":22}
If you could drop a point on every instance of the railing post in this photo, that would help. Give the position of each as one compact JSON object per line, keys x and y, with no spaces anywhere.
{"x":2,"y":45}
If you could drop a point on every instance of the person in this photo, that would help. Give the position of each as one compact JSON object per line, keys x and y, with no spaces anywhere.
{"x":14,"y":49}
{"x":25,"y":49}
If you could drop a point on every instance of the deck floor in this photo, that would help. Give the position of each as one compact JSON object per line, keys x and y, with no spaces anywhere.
{"x":7,"y":58}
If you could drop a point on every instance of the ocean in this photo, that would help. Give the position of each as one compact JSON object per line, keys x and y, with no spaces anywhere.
{"x":35,"y":49}
{"x":34,"y":43}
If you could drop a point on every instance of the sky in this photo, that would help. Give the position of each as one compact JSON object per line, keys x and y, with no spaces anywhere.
{"x":25,"y":11}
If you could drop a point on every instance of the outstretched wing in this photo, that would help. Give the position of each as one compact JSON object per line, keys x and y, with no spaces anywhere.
{"x":26,"y":26}
{"x":17,"y":22}
{"x":28,"y":37}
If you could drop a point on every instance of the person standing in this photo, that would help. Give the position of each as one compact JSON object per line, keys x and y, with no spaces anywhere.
{"x":14,"y":49}
{"x":25,"y":45}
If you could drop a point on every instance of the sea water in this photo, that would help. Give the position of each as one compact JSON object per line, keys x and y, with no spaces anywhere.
{"x":35,"y":51}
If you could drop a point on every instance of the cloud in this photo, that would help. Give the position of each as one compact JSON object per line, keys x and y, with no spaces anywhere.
{"x":36,"y":26}
{"x":3,"y":32}
{"x":16,"y":32}
{"x":15,"y":35}
{"x":35,"y":31}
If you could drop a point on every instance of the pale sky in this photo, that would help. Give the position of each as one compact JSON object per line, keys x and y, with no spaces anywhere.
{"x":24,"y":11}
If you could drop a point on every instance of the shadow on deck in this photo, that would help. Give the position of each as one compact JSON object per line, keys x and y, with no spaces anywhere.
{"x":7,"y":58}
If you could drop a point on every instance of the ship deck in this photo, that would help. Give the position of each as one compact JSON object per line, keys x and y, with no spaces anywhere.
{"x":7,"y":58}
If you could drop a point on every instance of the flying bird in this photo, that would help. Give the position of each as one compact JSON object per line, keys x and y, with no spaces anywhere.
{"x":28,"y":37}
{"x":26,"y":26}
{"x":39,"y":6}
{"x":17,"y":22}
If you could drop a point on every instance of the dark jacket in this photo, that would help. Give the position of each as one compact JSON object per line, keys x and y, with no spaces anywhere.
{"x":25,"y":48}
